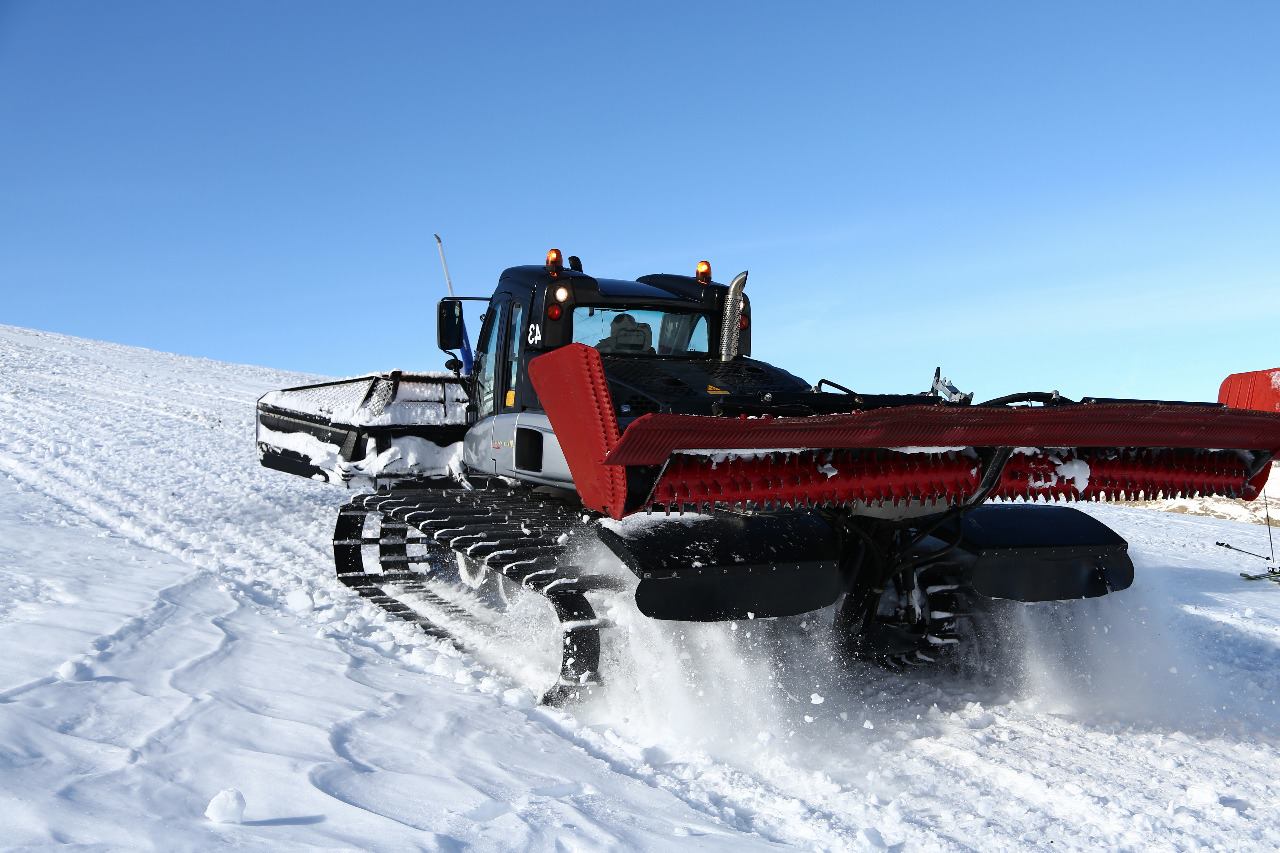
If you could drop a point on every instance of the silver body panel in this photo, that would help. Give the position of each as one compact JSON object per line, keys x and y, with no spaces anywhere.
{"x":490,"y":448}
{"x":477,"y":448}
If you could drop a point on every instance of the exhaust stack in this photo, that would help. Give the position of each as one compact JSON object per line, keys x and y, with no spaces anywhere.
{"x":730,"y":324}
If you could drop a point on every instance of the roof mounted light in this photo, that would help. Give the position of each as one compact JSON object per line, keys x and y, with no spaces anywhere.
{"x":555,"y":262}
{"x":703,"y":273}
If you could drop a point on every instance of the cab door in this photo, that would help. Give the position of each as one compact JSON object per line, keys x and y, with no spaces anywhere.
{"x":511,"y":370}
{"x":479,"y":446}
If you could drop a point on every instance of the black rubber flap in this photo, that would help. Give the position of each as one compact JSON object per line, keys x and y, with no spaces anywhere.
{"x":704,"y":568}
{"x":290,"y":462}
{"x":1028,"y":552}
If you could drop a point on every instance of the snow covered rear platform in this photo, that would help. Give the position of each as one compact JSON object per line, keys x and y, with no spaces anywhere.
{"x":381,"y":427}
{"x":390,"y":399}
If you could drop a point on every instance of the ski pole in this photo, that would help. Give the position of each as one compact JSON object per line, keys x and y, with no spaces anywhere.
{"x":1242,"y":551}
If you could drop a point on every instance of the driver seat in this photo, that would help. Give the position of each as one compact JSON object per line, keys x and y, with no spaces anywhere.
{"x":627,"y":336}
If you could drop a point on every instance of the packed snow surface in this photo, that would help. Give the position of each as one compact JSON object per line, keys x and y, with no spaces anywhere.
{"x":182,"y":672}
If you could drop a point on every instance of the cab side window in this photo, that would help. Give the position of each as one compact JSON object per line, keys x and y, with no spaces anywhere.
{"x":486,"y":368}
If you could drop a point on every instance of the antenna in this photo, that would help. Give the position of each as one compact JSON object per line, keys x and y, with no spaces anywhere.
{"x":448,"y":281}
{"x":468,"y":358}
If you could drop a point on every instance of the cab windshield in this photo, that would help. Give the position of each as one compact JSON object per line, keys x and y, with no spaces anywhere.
{"x":641,"y":331}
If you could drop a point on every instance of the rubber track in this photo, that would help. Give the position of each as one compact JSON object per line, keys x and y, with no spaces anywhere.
{"x":522,"y":535}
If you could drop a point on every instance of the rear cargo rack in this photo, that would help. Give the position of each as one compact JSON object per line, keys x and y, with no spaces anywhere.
{"x":367,"y":428}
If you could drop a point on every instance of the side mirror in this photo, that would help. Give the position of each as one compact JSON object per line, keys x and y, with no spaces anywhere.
{"x":454,"y":366}
{"x":449,"y":325}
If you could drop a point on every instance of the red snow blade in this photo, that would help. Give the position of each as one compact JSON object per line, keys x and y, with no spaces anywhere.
{"x":1258,"y":389}
{"x":940,"y":454}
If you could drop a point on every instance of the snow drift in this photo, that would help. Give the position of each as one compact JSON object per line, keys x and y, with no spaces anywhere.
{"x":173,"y":632}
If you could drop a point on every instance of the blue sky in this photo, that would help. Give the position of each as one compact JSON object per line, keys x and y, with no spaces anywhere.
{"x":1033,"y":195}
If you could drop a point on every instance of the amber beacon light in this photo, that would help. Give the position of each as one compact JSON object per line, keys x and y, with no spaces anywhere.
{"x":555,"y":262}
{"x":703,"y":273}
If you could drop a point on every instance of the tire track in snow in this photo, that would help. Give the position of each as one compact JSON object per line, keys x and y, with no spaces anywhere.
{"x":118,"y":505}
{"x":67,"y":419}
{"x":738,"y":793}
{"x":724,"y":802}
{"x":941,"y":775}
{"x":62,"y":419}
{"x":1085,"y":809}
{"x":125,"y":499}
{"x":67,"y":414}
{"x":830,"y":826}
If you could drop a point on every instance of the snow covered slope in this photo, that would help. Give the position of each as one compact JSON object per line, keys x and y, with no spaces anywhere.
{"x":170,"y":629}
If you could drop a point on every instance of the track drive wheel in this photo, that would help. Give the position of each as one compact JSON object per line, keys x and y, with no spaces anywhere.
{"x":921,"y":619}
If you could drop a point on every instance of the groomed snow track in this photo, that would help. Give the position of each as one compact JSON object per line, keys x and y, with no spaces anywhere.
{"x":208,"y":644}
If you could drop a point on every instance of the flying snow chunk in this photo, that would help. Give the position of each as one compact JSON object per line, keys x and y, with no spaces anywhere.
{"x":867,"y":724}
{"x":1077,"y":470}
{"x":816,"y":699}
{"x":517,"y":698}
{"x":75,"y":670}
{"x":227,"y":806}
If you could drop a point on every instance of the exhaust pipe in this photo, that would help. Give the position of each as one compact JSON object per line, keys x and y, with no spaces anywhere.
{"x":729,"y":325}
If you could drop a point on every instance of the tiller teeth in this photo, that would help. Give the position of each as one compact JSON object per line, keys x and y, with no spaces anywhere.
{"x":879,"y":477}
{"x":922,"y":457}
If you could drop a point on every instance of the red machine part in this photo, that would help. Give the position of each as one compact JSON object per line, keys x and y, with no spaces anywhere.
{"x":850,"y":476}
{"x":1258,"y":390}
{"x":1128,"y":474}
{"x":814,"y":477}
{"x":1079,"y":452}
{"x":651,"y":439}
{"x":571,"y":386}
